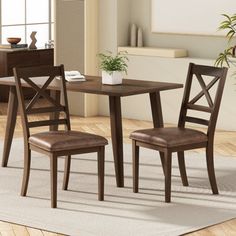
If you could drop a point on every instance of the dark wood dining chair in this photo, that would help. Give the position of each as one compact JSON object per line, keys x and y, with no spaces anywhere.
{"x":53,"y":143}
{"x":178,"y":139}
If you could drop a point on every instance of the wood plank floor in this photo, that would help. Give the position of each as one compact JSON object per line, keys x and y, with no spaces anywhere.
{"x":225,"y":144}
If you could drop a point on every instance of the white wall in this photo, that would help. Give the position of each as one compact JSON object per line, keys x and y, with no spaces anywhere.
{"x":107,"y":28}
{"x":114,"y":22}
{"x":171,"y":17}
{"x":69,"y":44}
{"x":69,"y":34}
{"x":123,"y":21}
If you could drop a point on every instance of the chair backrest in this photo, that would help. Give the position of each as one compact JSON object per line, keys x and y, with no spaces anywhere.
{"x":209,"y":78}
{"x":30,"y":75}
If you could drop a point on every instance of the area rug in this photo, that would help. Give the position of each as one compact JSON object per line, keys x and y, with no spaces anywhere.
{"x":123,"y":213}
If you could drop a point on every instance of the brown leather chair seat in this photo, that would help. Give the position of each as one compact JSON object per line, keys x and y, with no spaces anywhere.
{"x":169,"y":137}
{"x":66,"y":140}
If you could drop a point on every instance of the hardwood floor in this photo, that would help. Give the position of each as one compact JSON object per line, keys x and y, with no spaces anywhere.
{"x":9,"y":229}
{"x":225,"y":144}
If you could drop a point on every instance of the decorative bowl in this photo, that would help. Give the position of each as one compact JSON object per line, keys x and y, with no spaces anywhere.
{"x":13,"y":40}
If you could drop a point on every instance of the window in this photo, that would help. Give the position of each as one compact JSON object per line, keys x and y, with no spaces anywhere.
{"x":20,"y":17}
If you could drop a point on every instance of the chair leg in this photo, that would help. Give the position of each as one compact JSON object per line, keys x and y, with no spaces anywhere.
{"x":101,"y":161}
{"x":162,"y":161}
{"x":26,"y":174}
{"x":135,"y":156}
{"x":53,"y":172}
{"x":66,"y":172}
{"x":211,"y":169}
{"x":168,"y":163}
{"x":182,"y":168}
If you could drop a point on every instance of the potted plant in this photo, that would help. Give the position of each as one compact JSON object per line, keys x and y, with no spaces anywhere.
{"x":113,"y":67}
{"x":228,"y":54}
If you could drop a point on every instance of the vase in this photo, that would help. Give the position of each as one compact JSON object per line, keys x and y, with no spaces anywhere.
{"x":133,"y":36}
{"x":140,"y":38}
{"x":112,"y":77}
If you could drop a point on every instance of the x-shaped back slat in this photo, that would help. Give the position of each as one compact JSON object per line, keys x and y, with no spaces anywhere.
{"x":40,"y":92}
{"x":201,"y":73}
{"x":205,"y":90}
{"x":39,"y":78}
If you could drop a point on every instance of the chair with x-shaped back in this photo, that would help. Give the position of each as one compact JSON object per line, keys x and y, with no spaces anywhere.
{"x":53,"y":143}
{"x":178,"y":139}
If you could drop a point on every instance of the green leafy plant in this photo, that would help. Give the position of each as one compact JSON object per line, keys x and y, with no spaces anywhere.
{"x":224,"y":57}
{"x":229,"y":24}
{"x":110,"y":63}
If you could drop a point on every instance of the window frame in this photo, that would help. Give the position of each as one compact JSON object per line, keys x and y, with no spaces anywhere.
{"x":50,"y":22}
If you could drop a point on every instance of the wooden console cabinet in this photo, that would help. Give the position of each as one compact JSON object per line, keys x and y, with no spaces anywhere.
{"x":12,"y":58}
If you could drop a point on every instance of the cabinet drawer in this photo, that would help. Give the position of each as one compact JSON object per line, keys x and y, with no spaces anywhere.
{"x":46,"y":57}
{"x":11,"y":59}
{"x":23,"y":58}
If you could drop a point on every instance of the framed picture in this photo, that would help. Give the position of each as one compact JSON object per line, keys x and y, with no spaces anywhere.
{"x":201,"y":17}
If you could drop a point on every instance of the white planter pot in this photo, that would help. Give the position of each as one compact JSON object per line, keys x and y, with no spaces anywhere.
{"x":115,"y":77}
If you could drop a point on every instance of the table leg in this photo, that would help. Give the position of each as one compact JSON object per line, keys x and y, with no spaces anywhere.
{"x":11,"y":123}
{"x":157,"y":117}
{"x":56,"y":95}
{"x":117,"y":138}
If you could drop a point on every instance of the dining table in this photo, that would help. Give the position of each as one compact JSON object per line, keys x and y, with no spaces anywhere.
{"x":93,"y":85}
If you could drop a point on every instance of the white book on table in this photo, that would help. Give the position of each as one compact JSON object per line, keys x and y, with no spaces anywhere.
{"x":73,"y":76}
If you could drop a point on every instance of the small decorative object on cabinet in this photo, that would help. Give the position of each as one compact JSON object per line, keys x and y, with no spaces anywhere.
{"x":14,"y":46}
{"x":34,"y":40}
{"x":228,"y":54}
{"x":50,"y":44}
{"x":13,"y":40}
{"x":113,"y":67}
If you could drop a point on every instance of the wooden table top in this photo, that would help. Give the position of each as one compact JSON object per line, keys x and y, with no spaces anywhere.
{"x":93,"y":85}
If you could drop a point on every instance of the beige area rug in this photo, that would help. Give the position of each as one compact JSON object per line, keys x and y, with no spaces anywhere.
{"x":123,"y":213}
